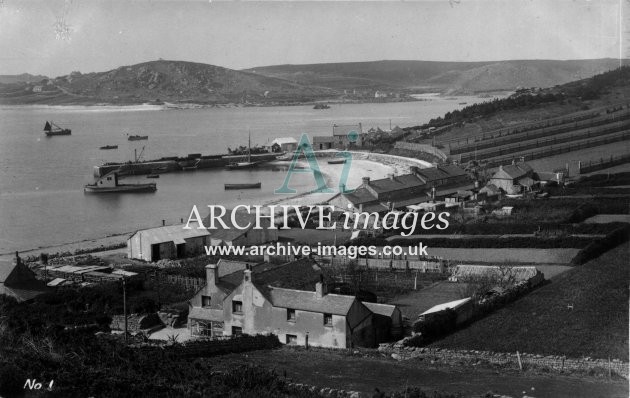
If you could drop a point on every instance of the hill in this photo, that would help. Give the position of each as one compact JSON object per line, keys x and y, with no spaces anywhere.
{"x":171,"y":81}
{"x":543,"y":322}
{"x":23,"y":78}
{"x":444,"y":77}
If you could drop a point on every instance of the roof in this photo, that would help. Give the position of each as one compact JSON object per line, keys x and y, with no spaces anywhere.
{"x":6,"y":268}
{"x":300,"y":274}
{"x":522,"y":273}
{"x":227,"y":267}
{"x":444,"y":306}
{"x":380,"y":309}
{"x":18,"y":281}
{"x":171,"y":233}
{"x":441,"y":172}
{"x":303,"y":300}
{"x":242,"y":219}
{"x":513,"y":171}
{"x":359,"y":196}
{"x":491,"y":189}
{"x":284,"y":141}
{"x":396,"y":183}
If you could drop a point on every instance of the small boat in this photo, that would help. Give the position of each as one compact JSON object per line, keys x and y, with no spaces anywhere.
{"x":109,"y":147}
{"x":244,"y":165}
{"x":241,"y":165}
{"x":109,"y":184}
{"x":137,"y":137}
{"x":153,"y":176}
{"x":253,"y":185}
{"x":321,"y":106}
{"x":52,"y":129}
{"x":337,"y":161}
{"x":463,"y":103}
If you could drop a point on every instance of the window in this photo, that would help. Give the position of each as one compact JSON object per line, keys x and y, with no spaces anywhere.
{"x":205,"y":301}
{"x":290,"y":315}
{"x":237,"y":330}
{"x":291,"y":339}
{"x":327,"y":319}
{"x":237,"y":306}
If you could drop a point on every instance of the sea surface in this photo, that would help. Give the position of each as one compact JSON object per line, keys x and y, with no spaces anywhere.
{"x":42,"y":202}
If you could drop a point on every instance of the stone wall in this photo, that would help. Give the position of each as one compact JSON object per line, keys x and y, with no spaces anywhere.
{"x":208,"y":348}
{"x":511,"y":360}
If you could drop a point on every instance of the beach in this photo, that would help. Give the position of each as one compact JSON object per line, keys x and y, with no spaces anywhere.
{"x":363,"y":164}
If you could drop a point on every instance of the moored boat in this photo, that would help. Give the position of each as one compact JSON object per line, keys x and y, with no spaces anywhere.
{"x":51,"y":129}
{"x":109,"y":147}
{"x":137,"y":137}
{"x":244,"y":165}
{"x":337,"y":161}
{"x":153,"y":176}
{"x":253,"y":185}
{"x":109,"y":184}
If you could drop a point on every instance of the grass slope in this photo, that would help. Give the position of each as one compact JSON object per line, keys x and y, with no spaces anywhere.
{"x":541,"y":323}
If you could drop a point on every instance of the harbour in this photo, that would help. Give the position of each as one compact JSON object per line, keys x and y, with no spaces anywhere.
{"x":38,"y":173}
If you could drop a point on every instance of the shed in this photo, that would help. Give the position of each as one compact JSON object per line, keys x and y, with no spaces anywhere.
{"x":167,"y":242}
{"x":17,"y":281}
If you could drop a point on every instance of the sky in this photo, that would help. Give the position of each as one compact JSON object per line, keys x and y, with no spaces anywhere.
{"x":56,"y":37}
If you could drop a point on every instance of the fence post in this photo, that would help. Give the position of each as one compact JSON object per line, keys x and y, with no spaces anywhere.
{"x":520,"y":364}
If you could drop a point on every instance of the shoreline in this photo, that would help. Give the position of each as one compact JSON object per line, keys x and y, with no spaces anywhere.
{"x":366,"y":163}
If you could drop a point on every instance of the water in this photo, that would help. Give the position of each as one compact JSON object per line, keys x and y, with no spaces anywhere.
{"x":41,"y":178}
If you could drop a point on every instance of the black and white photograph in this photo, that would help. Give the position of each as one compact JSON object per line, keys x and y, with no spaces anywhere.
{"x":315,"y":199}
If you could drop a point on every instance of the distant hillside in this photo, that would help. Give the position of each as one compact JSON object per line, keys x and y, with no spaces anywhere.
{"x":445,"y":77}
{"x":171,"y":81}
{"x":23,"y":78}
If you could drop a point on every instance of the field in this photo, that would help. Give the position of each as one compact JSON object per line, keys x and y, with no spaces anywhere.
{"x":358,"y":373}
{"x":583,"y":312}
{"x":584,"y":155}
{"x":507,"y":255}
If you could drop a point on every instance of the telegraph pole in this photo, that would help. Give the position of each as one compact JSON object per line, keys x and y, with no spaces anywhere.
{"x":124,"y":281}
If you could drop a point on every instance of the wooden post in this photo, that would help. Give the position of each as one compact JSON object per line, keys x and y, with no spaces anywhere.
{"x":609,"y":369}
{"x":520,"y":364}
{"x":125,"y":305}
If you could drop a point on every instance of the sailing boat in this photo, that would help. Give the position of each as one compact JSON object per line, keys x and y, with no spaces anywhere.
{"x":244,"y":165}
{"x":52,"y":129}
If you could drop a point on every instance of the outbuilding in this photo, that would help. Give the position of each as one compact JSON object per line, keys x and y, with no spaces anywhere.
{"x":168,"y":242}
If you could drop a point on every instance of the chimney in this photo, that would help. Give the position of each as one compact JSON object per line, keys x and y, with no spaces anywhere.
{"x":366,"y":180}
{"x":413,"y":169}
{"x":247,"y":274}
{"x":321,"y":289}
{"x":390,"y":176}
{"x":212,"y":277}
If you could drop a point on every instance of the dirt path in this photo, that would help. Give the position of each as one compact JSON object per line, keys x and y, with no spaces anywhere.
{"x":336,"y":370}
